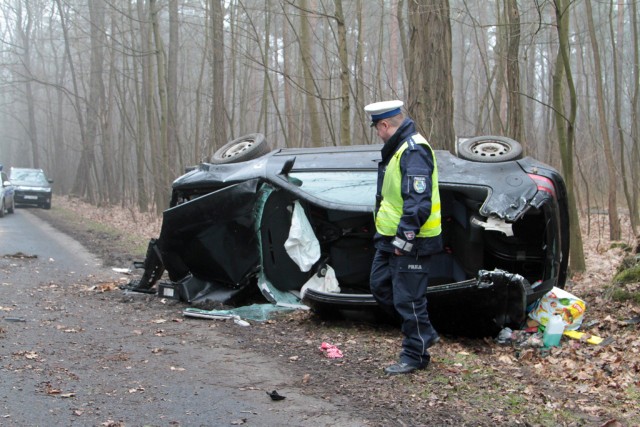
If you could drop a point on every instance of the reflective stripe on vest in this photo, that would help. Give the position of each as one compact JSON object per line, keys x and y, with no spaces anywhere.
{"x":390,"y":212}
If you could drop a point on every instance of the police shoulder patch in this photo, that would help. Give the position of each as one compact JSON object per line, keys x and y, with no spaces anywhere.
{"x":420,"y":184}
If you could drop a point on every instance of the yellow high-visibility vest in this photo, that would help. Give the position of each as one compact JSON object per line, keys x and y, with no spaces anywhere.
{"x":390,"y":212}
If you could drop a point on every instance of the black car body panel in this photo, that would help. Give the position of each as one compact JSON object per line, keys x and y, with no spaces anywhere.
{"x":505,"y":227}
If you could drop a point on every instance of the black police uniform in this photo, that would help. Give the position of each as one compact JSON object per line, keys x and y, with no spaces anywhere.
{"x":399,"y":283}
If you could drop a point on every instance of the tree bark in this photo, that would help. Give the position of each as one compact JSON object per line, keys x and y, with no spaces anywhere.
{"x":24,"y":33}
{"x":345,"y":109}
{"x":430,"y":97}
{"x":563,"y":79}
{"x":315,"y":135}
{"x":635,"y":120}
{"x":162,"y":179}
{"x":515,"y":126}
{"x":174,"y":151}
{"x":614,"y":221}
{"x":218,"y":122}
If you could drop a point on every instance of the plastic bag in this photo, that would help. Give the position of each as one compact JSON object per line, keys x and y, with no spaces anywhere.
{"x":302,"y":245}
{"x":560,"y":302}
{"x":324,"y":283}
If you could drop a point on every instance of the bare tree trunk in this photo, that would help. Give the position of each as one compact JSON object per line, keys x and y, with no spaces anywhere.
{"x":141,"y":110}
{"x":25,"y":39}
{"x":562,"y":79}
{"x":345,"y":110}
{"x":289,"y":109}
{"x":82,"y":185}
{"x":174,"y":150}
{"x":614,"y":221}
{"x":264,"y":54}
{"x":498,"y":101}
{"x":635,"y":120}
{"x":150,"y":108}
{"x":162,"y":178}
{"x":218,"y":122}
{"x":110,"y":191}
{"x":617,"y":43}
{"x":199,"y":152}
{"x":305,"y":53}
{"x":361,"y":130}
{"x":403,"y":41}
{"x":515,"y":127}
{"x":430,"y":102}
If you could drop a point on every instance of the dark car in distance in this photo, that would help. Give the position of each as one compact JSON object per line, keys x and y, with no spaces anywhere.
{"x":228,"y":231}
{"x":32,"y":187}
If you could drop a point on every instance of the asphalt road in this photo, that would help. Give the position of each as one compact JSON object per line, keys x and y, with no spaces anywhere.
{"x":70,"y":355}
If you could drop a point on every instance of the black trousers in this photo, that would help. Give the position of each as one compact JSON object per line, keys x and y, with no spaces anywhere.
{"x":399,"y":285}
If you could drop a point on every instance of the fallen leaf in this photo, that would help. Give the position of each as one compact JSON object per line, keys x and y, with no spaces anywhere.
{"x":106,"y":286}
{"x":507,"y":360}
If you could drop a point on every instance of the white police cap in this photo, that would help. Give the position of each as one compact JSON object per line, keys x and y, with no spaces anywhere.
{"x":383,"y":110}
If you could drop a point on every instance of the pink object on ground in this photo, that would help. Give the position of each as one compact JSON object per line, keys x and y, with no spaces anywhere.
{"x":330,"y":350}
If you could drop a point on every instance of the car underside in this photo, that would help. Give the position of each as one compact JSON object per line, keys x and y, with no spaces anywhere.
{"x":228,"y":230}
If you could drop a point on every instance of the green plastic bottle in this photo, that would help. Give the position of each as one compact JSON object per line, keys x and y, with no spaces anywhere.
{"x":553,"y":331}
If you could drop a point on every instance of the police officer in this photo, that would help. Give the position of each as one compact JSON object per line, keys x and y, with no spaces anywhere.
{"x":408,"y":229}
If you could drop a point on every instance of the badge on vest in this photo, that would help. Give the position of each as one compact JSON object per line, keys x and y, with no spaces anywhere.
{"x":420,"y":184}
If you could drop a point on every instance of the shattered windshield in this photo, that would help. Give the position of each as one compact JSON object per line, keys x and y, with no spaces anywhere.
{"x":346,"y":187}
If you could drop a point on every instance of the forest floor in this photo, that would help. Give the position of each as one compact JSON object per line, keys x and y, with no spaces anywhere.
{"x":470,"y":382}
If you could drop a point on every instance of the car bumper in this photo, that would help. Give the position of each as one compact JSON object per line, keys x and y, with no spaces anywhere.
{"x":32,"y":198}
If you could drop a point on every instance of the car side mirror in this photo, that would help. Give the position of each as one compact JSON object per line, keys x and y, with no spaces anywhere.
{"x":288,"y":165}
{"x":50,"y":181}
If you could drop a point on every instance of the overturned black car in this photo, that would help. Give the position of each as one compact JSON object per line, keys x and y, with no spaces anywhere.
{"x":299,"y":223}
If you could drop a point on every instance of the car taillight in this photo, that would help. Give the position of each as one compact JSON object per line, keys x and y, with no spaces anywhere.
{"x":544,"y":184}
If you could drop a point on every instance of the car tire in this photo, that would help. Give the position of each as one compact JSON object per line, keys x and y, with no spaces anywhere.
{"x":490,"y":149}
{"x":2,"y":208}
{"x":246,"y":147}
{"x":11,"y":209}
{"x":47,"y":205}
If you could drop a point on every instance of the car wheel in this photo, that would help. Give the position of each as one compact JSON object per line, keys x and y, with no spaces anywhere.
{"x":490,"y":149}
{"x":47,"y":205}
{"x":2,"y":208}
{"x":241,"y":149}
{"x":11,"y":209}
